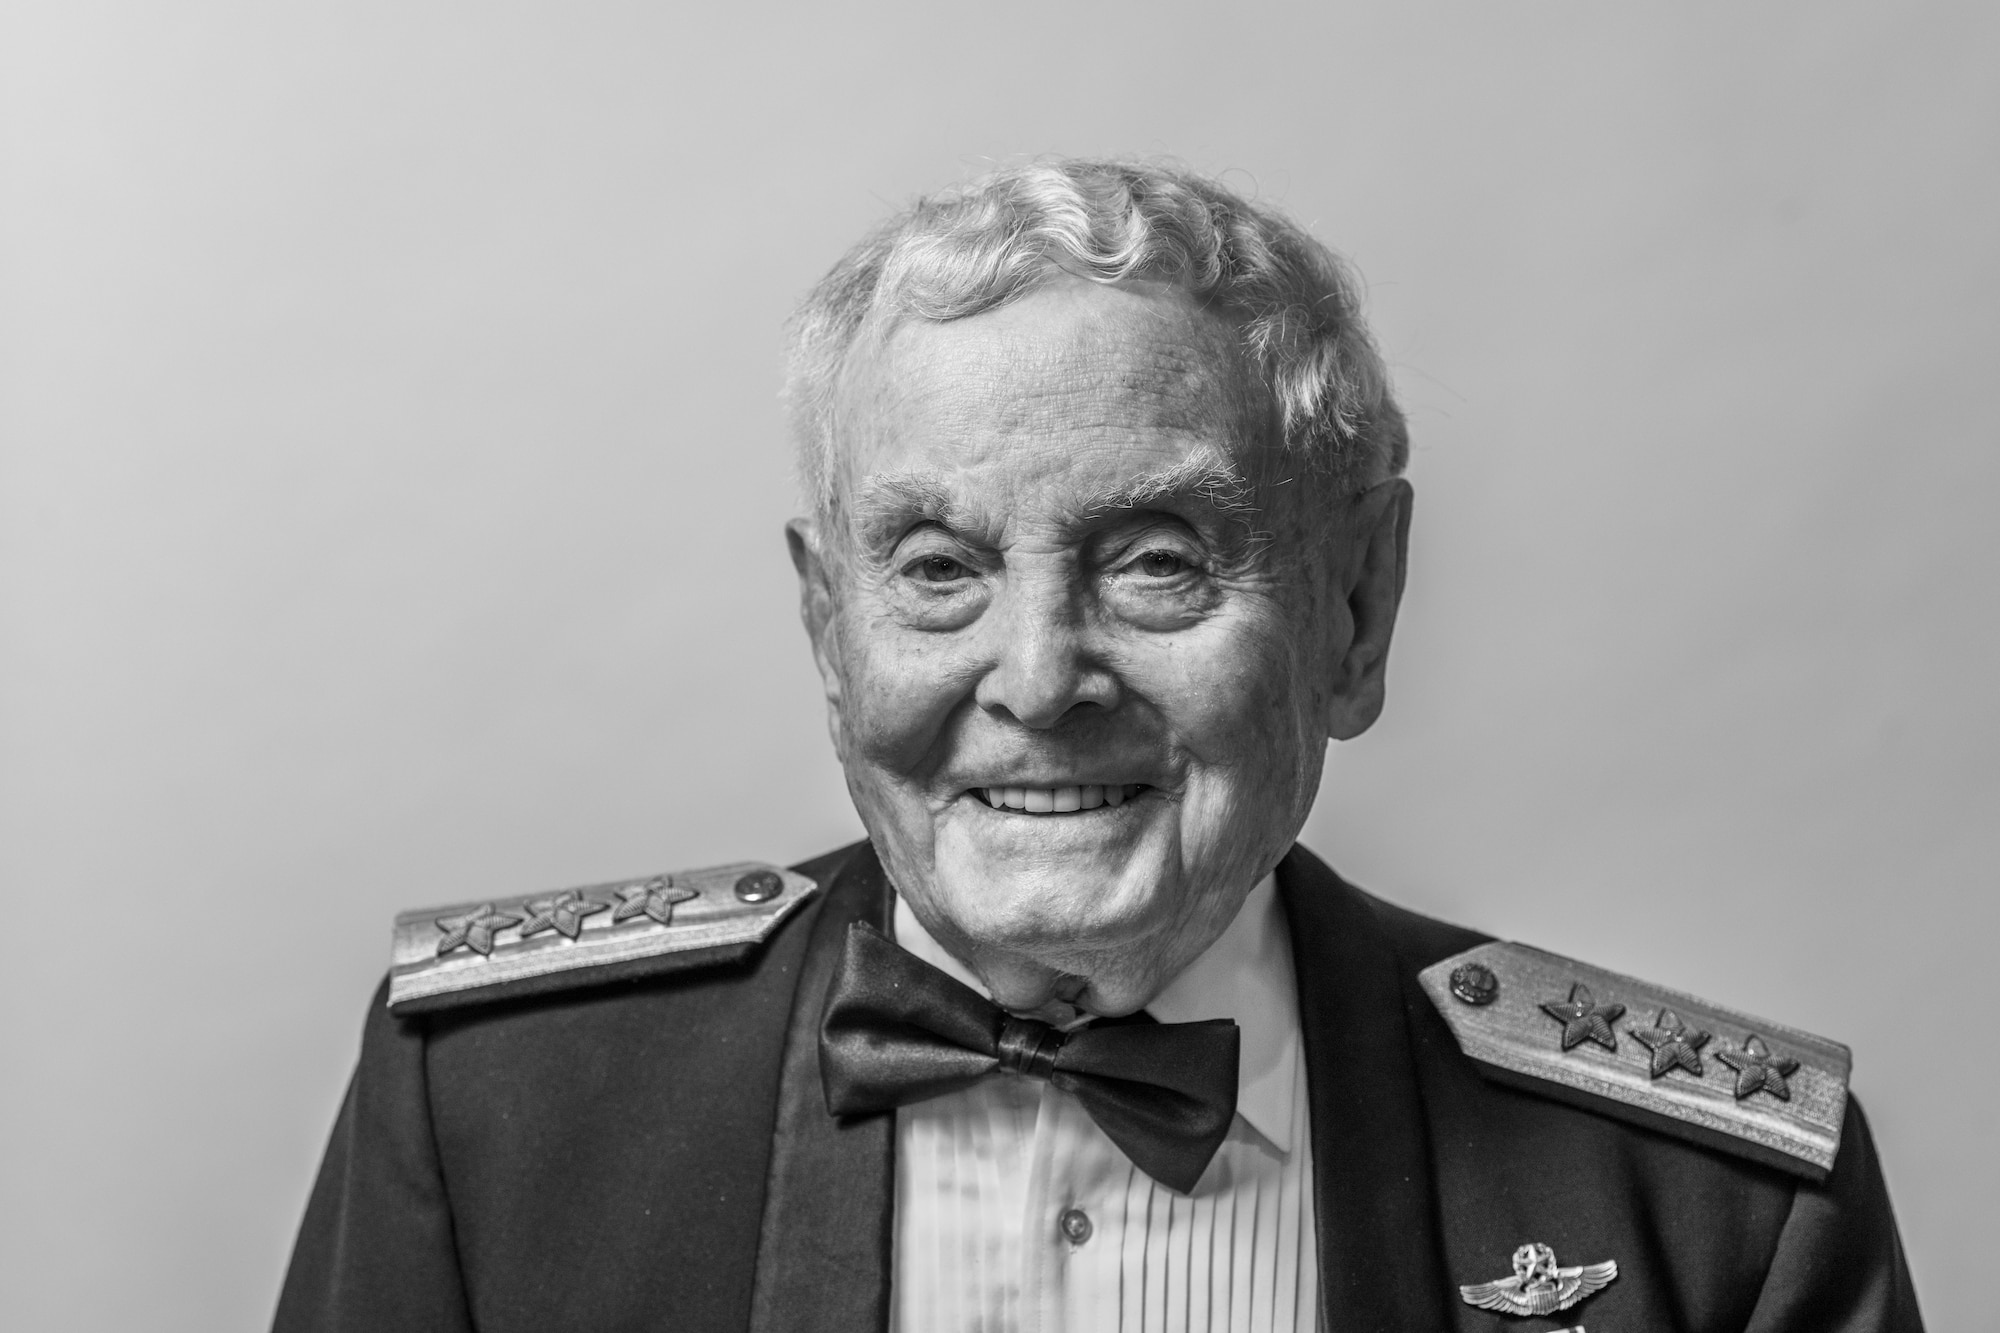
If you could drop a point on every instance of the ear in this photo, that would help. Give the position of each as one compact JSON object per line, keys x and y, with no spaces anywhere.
{"x":1375,"y":532}
{"x":803,"y":538}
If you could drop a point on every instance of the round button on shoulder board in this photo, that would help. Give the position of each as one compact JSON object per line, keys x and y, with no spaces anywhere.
{"x":1474,"y":984}
{"x":1074,"y":1225}
{"x":759,"y":886}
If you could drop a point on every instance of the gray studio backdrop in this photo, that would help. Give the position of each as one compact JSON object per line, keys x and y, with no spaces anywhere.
{"x":393,"y":479}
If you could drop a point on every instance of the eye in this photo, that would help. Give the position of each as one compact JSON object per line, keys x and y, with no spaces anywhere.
{"x":940,"y":569}
{"x":1160,"y":564}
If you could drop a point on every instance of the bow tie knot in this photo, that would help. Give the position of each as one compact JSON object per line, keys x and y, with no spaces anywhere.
{"x":1029,"y":1046}
{"x":897,"y":1030}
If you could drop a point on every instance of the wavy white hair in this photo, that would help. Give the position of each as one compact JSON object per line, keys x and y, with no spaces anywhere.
{"x":995,"y":238}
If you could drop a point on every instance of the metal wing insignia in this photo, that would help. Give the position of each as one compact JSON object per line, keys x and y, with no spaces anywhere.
{"x":1538,"y":1286}
{"x":1504,"y":1295}
{"x":1573,"y":1284}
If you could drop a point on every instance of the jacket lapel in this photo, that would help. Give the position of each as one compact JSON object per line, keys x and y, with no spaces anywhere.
{"x":1381,"y":1257}
{"x":823,"y":1257}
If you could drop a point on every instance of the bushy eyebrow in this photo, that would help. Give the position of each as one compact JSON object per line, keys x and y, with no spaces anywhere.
{"x":1204,"y":475}
{"x":892,"y":498}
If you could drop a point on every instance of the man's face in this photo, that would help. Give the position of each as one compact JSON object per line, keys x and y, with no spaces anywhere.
{"x":1084,"y":636}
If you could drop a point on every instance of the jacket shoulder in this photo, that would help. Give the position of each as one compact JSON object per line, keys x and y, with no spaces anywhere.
{"x":1641,"y":1052}
{"x":503,"y":948}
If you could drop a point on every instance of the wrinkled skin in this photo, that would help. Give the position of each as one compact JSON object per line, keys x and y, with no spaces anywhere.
{"x":1064,"y":550}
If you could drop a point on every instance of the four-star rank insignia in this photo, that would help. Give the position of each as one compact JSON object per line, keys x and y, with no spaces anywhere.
{"x":1673,"y":1043}
{"x":1538,"y":1286}
{"x":1757,"y":1070}
{"x":1584,"y":1019}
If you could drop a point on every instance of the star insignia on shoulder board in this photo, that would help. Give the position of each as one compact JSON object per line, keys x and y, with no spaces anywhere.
{"x":1538,"y":1287}
{"x":1584,"y":1019}
{"x":1757,"y":1070}
{"x":562,"y":912}
{"x":474,"y":930}
{"x":654,"y":900}
{"x":1673,"y":1043}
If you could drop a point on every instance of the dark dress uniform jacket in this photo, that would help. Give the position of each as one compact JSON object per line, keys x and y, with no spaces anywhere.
{"x":656,"y":1155}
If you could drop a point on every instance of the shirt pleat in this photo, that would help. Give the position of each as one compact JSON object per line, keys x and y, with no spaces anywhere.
{"x":1285,"y":1257}
{"x":1131,"y":1270}
{"x":1198,"y":1262}
{"x":1235,"y":1257}
{"x":1305,"y":1255}
{"x":1222,"y":1262}
{"x":965,"y":1210}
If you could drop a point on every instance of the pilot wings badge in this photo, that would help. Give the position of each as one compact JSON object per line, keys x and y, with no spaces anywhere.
{"x":1538,"y":1287}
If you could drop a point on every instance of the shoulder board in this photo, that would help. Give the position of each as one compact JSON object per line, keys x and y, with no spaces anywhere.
{"x":501,"y":948}
{"x":1647,"y":1054}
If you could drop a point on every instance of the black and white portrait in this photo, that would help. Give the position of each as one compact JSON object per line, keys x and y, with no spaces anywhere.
{"x":1055,"y":668}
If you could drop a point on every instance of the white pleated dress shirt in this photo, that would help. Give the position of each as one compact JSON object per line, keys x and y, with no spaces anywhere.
{"x":1015,"y":1214}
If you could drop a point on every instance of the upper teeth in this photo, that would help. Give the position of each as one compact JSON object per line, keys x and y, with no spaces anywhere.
{"x":1056,"y":800}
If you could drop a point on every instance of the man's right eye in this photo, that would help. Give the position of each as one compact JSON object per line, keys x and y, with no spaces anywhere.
{"x":940,"y":569}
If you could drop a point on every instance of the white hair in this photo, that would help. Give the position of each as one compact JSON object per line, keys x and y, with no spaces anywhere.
{"x":993,"y":239}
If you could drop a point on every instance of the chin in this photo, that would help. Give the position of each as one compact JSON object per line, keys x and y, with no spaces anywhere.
{"x":1058,"y":920}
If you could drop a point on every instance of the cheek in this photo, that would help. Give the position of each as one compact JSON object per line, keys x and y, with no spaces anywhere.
{"x":1244,"y":713}
{"x":1234,"y":697}
{"x":898,"y":691}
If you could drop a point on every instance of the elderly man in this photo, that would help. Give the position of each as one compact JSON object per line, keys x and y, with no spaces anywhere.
{"x":1106,"y":542}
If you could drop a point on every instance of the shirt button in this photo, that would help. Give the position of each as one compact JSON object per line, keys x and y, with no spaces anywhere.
{"x":1074,"y":1225}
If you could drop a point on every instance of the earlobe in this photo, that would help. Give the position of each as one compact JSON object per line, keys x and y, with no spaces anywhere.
{"x":802,"y":540}
{"x":1378,"y":529}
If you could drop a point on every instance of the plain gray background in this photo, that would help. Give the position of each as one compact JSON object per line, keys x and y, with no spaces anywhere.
{"x":393,"y":479}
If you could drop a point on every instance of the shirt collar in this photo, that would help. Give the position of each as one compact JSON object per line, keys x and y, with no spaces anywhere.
{"x":1245,"y":975}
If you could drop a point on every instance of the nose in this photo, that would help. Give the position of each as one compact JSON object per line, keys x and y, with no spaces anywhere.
{"x":1043,"y":663}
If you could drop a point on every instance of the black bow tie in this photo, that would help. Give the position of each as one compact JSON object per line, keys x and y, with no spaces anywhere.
{"x":896,"y":1030}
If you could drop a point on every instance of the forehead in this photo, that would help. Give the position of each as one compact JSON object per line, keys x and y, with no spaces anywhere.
{"x":1077,"y":385}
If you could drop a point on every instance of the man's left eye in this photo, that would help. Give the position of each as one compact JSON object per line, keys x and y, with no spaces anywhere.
{"x":1160,"y":564}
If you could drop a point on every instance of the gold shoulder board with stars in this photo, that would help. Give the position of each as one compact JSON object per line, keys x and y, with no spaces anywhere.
{"x":1647,"y":1054}
{"x":499,"y":948}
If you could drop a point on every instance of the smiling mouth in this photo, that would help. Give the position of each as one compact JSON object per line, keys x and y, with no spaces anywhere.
{"x":1057,"y":800}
